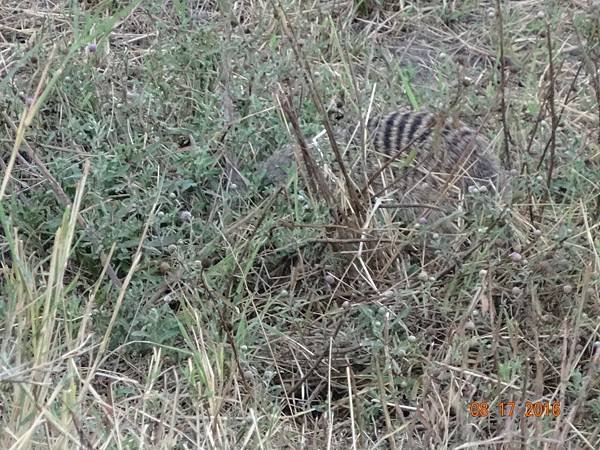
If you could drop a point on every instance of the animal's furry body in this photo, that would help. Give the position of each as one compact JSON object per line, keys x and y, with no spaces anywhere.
{"x":433,"y":162}
{"x":438,"y":161}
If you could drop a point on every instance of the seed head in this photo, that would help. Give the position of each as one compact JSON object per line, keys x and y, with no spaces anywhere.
{"x":516,"y":257}
{"x":423,"y":276}
{"x":164,"y":267}
{"x":185,"y":216}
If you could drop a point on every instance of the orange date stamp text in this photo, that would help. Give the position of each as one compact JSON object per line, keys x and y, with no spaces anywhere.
{"x":508,"y":409}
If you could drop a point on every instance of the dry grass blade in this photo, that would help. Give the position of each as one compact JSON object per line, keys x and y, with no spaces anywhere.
{"x":315,"y":178}
{"x":49,"y":337}
{"x":356,"y":203}
{"x":502,"y":90}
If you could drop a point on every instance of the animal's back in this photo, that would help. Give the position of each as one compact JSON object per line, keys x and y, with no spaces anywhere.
{"x":444,"y":147}
{"x":434,"y":160}
{"x":419,"y":161}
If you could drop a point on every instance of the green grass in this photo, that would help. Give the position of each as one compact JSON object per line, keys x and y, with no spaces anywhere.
{"x":241,"y":317}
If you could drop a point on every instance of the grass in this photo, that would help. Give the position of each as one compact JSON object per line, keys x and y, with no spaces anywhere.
{"x":158,"y":293}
